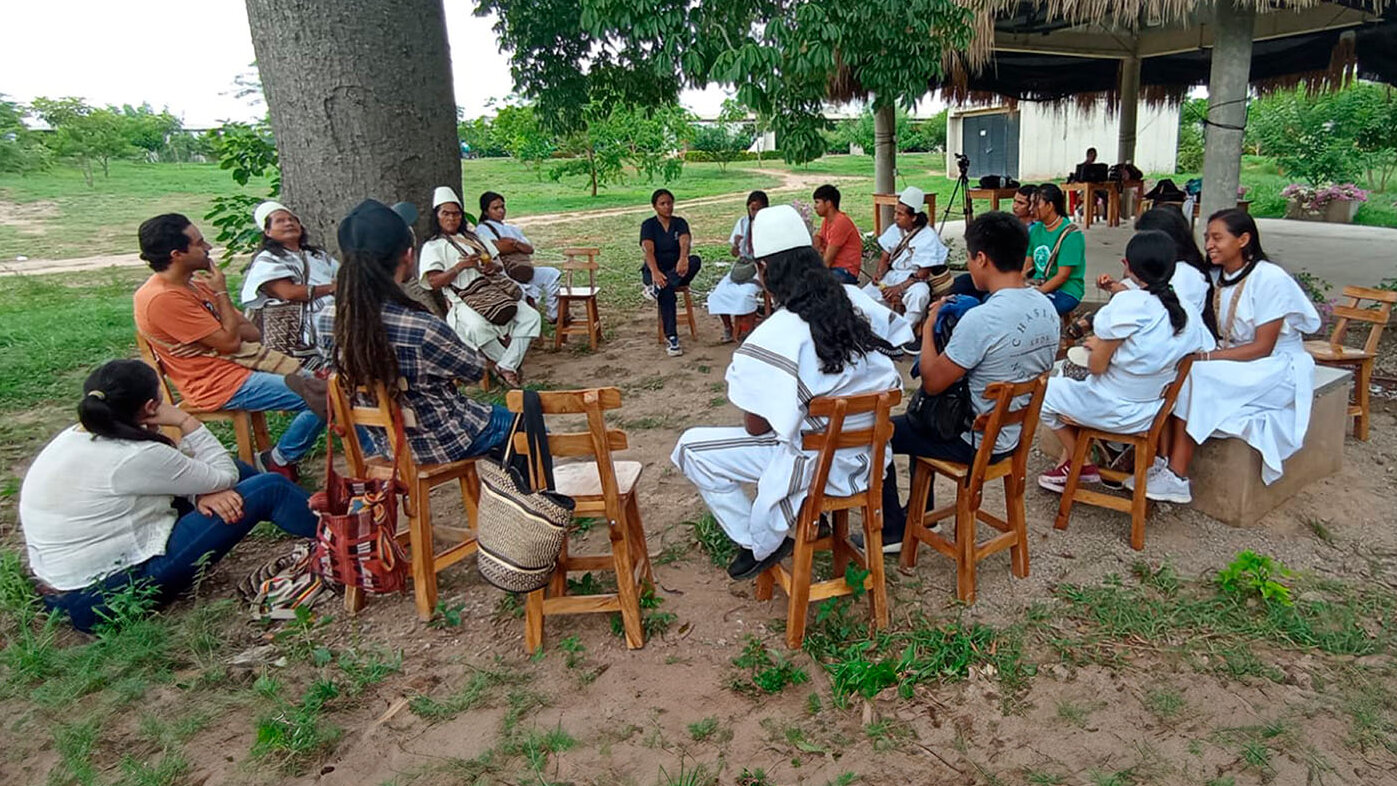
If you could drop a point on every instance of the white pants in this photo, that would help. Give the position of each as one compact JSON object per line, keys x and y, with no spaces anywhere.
{"x":479,"y":332}
{"x":915,"y":300}
{"x":718,"y":460}
{"x":544,"y":286}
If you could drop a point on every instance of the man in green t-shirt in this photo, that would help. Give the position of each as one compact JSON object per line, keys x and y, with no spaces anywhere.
{"x":1057,"y":252}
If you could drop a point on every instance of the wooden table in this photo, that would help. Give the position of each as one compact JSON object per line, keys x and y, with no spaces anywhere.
{"x":888,"y":200}
{"x":1087,"y":195}
{"x":993,"y":195}
{"x":1134,"y":206}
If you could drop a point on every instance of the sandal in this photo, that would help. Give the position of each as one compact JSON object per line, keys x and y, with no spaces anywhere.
{"x":510,"y":378}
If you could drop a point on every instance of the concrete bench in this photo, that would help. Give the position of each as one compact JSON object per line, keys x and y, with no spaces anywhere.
{"x":1226,"y":473}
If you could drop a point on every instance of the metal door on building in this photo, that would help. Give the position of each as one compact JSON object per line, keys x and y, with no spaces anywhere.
{"x":992,"y":142}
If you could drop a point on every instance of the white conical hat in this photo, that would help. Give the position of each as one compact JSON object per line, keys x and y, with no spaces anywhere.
{"x":778,"y":228}
{"x":444,"y":194}
{"x":265,"y":211}
{"x":914,"y":198}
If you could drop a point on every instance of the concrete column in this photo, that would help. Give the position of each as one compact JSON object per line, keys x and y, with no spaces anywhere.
{"x":1129,"y":108}
{"x":1227,"y":105}
{"x":884,"y":155}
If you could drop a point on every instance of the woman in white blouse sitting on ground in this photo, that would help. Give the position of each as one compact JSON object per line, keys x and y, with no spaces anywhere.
{"x":113,"y":502}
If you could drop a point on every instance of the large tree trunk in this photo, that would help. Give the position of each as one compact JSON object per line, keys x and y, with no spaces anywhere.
{"x":361,"y":103}
{"x":885,"y":155}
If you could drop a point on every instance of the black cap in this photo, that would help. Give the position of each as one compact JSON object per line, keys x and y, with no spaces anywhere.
{"x":407,"y":211}
{"x":373,"y":228}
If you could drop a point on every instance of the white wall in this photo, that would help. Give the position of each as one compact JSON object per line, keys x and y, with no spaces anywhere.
{"x":1053,"y":138}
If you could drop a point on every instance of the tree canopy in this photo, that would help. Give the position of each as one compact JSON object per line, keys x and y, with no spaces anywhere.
{"x":784,"y":59}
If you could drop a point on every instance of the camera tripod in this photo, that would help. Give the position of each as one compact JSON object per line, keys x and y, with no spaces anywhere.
{"x":962,"y":190}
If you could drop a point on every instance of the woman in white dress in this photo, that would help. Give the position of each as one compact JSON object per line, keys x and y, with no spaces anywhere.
{"x":912,"y":255}
{"x":738,"y":293}
{"x":1258,"y":384}
{"x":287,"y":268}
{"x":1191,"y":281}
{"x":1140,"y":337}
{"x":452,"y":257}
{"x":544,"y":281}
{"x":814,"y":345}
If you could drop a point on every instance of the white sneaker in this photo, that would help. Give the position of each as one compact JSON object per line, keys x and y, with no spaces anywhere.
{"x":1168,"y":487}
{"x":1159,"y":465}
{"x":673,"y":349}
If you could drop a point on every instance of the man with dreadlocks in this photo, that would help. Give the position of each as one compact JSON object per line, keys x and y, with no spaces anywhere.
{"x":816,"y":344}
{"x":383,"y":335}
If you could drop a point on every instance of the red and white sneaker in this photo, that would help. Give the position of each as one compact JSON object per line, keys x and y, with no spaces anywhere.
{"x":1055,"y":479}
{"x":265,"y":463}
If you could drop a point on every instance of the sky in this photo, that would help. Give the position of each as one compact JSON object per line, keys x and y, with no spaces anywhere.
{"x":102,"y":60}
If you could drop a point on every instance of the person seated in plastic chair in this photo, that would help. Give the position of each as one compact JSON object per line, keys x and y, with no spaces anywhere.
{"x":815,"y":344}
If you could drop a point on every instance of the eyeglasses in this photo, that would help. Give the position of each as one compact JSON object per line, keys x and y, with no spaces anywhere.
{"x":451,"y":214}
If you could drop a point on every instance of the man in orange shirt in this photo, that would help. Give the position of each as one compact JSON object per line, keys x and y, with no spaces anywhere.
{"x":838,"y":241}
{"x":184,"y":318}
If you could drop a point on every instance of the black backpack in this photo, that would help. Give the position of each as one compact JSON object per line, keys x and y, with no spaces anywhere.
{"x":948,"y":414}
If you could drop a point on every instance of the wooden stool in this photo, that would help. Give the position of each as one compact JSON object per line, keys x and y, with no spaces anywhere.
{"x":687,"y":313}
{"x":578,"y":259}
{"x":796,"y":582}
{"x":418,"y":481}
{"x":249,"y":427}
{"x":970,"y":482}
{"x":601,"y":487}
{"x":1334,"y":353}
{"x":1137,"y":505}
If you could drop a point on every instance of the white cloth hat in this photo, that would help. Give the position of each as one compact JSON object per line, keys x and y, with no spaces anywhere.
{"x":914,"y":198}
{"x":265,"y":210}
{"x":778,"y":228}
{"x":445,"y":194}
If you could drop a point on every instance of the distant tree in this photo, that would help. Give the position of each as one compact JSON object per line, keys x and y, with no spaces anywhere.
{"x":477,"y":136}
{"x":1189,"y":158}
{"x":1310,"y":137}
{"x":20,"y":149}
{"x":516,"y":130}
{"x":84,"y":135}
{"x":148,"y":130}
{"x":616,"y":136}
{"x":727,"y":138}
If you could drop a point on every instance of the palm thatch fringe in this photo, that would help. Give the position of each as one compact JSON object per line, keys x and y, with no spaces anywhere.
{"x":1131,"y":14}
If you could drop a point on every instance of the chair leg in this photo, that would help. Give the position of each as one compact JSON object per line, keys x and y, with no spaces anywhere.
{"x":261,"y":438}
{"x":593,"y":323}
{"x":841,"y":538}
{"x":564,"y":317}
{"x":470,"y":497}
{"x":1018,"y":524}
{"x":558,"y":582}
{"x":922,"y":478}
{"x":766,"y":584}
{"x":626,"y":591}
{"x":1074,"y":478}
{"x":798,"y":604}
{"x":424,"y":574}
{"x":877,"y":579}
{"x":1139,"y":503}
{"x":533,"y":621}
{"x":353,"y":600}
{"x":689,"y":313}
{"x":1360,"y":421}
{"x":965,"y":546}
{"x":242,"y":427}
{"x":638,"y":544}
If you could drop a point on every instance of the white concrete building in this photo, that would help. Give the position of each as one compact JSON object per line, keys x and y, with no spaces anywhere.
{"x":1038,"y":142}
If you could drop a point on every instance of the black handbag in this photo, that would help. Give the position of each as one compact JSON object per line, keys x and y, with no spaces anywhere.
{"x":944,"y":416}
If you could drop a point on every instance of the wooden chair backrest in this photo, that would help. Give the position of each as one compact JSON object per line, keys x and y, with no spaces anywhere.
{"x":166,"y":393}
{"x":990,"y":423}
{"x":1376,"y":316}
{"x":577,"y":258}
{"x":381,"y":412}
{"x":881,"y":201}
{"x":838,"y":409}
{"x":1171,"y":397}
{"x":597,"y":442}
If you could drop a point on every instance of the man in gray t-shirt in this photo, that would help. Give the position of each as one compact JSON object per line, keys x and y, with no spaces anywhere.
{"x":1011,"y":337}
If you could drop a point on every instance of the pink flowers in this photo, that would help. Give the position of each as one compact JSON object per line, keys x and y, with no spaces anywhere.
{"x":1312,"y":198}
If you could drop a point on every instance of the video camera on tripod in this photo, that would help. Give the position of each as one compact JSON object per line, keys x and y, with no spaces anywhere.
{"x":962,"y":190}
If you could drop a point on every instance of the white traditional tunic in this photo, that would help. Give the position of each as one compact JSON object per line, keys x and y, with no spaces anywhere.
{"x":1189,"y":283}
{"x":923,"y":250}
{"x":439,"y":255}
{"x":775,"y":374}
{"x":267,"y":267}
{"x":729,"y":297}
{"x":546,"y":281}
{"x":1266,"y":401}
{"x":887,"y":324}
{"x":1126,"y":398}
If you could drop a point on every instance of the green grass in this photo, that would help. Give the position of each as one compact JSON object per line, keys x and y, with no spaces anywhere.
{"x":1264,"y":183}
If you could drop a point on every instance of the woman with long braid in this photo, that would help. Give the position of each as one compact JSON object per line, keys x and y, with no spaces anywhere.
{"x":1258,"y":385}
{"x":815,"y":344}
{"x":1139,"y":338}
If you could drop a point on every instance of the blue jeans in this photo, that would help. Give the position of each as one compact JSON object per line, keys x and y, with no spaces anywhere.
{"x":263,"y":392}
{"x":197,"y":541}
{"x":495,"y":434}
{"x":665,"y":297}
{"x":844,"y":276}
{"x":1063,"y":303}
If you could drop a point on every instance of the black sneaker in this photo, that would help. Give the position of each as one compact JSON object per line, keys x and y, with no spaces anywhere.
{"x":912,"y":347}
{"x":746,"y":565}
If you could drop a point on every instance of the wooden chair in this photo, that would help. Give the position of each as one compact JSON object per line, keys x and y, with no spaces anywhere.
{"x":377,"y":409}
{"x":970,"y":481}
{"x":686,"y":313}
{"x":797,"y":582}
{"x":1334,"y":353}
{"x":1137,"y":505}
{"x":249,"y":427}
{"x":881,"y":201}
{"x":601,"y":487}
{"x":576,"y":260}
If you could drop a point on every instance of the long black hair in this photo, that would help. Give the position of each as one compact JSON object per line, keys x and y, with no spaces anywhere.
{"x":1050,"y":193}
{"x":799,"y":280}
{"x":485,"y":200}
{"x":1150,"y":255}
{"x":1239,"y":222}
{"x":365,"y":284}
{"x":1170,"y":220}
{"x":277,"y":248}
{"x":113,"y":396}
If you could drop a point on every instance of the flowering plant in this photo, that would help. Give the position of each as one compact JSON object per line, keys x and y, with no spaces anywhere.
{"x":1312,"y":198}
